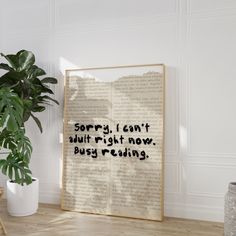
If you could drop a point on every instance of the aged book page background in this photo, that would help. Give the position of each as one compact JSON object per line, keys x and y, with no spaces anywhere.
{"x":113,"y":143}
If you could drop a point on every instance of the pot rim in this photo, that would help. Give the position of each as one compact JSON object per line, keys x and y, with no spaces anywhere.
{"x":34,"y":180}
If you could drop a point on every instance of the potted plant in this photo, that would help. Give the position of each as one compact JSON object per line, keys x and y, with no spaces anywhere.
{"x":22,"y":94}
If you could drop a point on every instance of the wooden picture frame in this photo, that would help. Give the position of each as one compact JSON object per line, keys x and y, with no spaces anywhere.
{"x":114,"y":141}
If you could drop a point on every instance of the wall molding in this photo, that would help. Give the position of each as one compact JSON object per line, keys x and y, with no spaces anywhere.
{"x":208,"y":12}
{"x":190,"y":152}
{"x":197,"y":212}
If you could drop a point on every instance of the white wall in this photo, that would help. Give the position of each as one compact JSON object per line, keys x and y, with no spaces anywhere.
{"x":196,"y":39}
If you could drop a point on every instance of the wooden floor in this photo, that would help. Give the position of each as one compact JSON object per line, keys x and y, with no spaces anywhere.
{"x":50,"y":220}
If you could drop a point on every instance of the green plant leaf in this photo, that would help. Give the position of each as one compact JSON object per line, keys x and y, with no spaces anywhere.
{"x":17,"y":142}
{"x":5,"y":67}
{"x":2,"y":161}
{"x":35,"y":71}
{"x":26,"y":59}
{"x":11,"y":79}
{"x":45,"y":97}
{"x":49,"y":80}
{"x":47,"y":90}
{"x":38,"y":109}
{"x":7,"y":140}
{"x":26,"y":115}
{"x":28,"y":179}
{"x":11,"y":110}
{"x":12,"y":59}
{"x":37,"y":121}
{"x":4,"y":168}
{"x":27,"y":103}
{"x":24,"y":146}
{"x":10,"y":171}
{"x":16,"y":169}
{"x":23,"y":60}
{"x":17,"y":177}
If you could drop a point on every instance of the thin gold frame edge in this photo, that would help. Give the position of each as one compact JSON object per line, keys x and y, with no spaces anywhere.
{"x":114,"y":67}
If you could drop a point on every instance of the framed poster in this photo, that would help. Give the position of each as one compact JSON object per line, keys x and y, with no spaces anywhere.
{"x":113,"y":141}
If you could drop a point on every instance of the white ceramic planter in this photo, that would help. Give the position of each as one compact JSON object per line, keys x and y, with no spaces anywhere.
{"x":22,"y":200}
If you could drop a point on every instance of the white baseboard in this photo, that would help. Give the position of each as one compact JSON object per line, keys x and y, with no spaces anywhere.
{"x":49,"y":197}
{"x":196,"y":212}
{"x":49,"y":193}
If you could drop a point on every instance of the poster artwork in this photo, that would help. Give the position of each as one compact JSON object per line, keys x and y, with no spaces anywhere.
{"x":113,"y":141}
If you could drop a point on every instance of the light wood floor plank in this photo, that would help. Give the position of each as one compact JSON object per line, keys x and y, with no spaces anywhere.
{"x":51,"y":221}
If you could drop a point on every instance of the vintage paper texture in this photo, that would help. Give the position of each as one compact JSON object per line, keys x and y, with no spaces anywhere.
{"x":119,"y":186}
